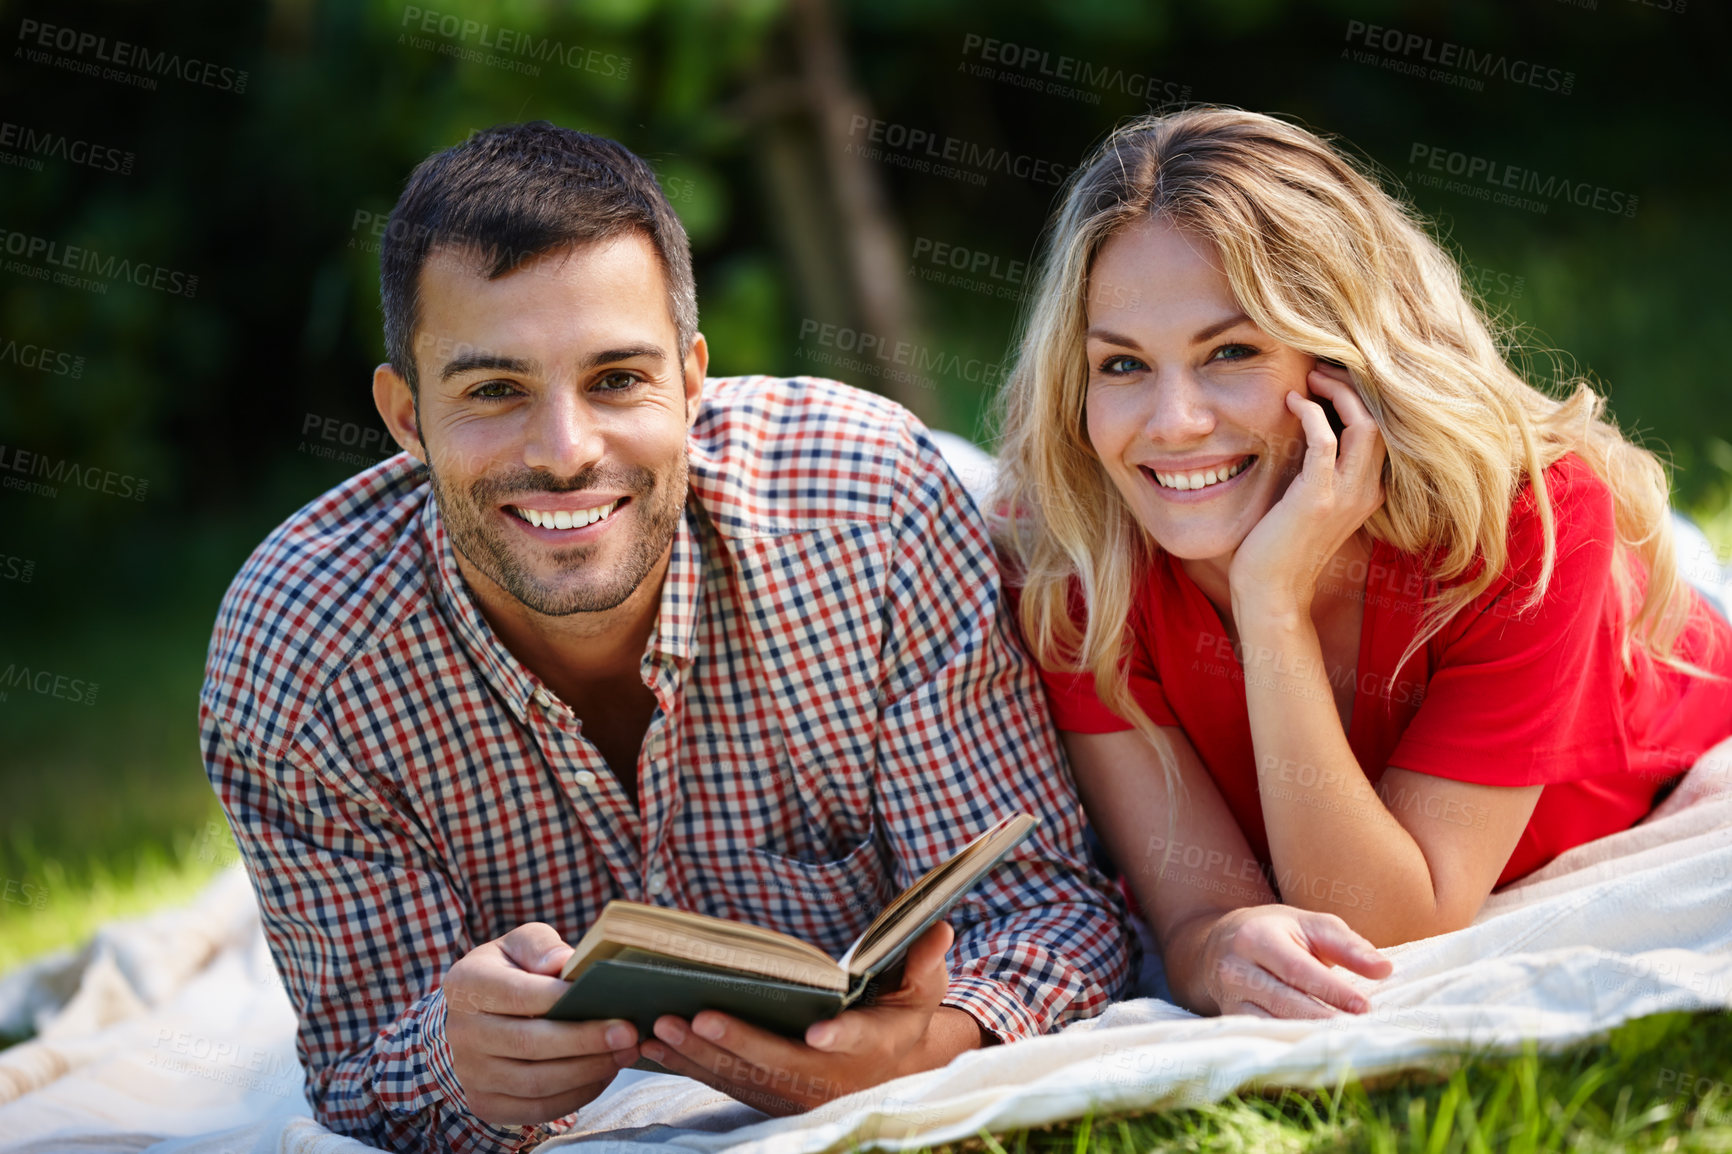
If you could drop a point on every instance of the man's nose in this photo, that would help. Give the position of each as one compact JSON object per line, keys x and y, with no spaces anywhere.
{"x":1179,"y":411}
{"x":564,"y":436}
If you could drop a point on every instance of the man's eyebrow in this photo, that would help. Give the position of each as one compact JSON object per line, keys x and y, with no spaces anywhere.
{"x":488,"y":362}
{"x":629,"y":353}
{"x":497,"y":363}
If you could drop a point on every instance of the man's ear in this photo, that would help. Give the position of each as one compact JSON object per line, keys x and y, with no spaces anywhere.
{"x":395,"y":401}
{"x":697,"y":365}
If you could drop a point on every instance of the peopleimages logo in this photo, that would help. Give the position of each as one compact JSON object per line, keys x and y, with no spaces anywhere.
{"x":31,"y":143}
{"x":507,"y":47}
{"x":20,"y":463}
{"x":926,"y":151}
{"x":62,"y":260}
{"x":44,"y":360}
{"x":1035,"y":68}
{"x":1503,"y":183}
{"x":1417,"y":52}
{"x":100,"y":50}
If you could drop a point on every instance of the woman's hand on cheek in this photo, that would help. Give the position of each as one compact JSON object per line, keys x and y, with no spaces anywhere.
{"x":1276,"y":961}
{"x":1339,"y":486}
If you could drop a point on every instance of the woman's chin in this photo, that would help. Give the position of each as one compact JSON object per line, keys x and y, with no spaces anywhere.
{"x":1192,"y":546}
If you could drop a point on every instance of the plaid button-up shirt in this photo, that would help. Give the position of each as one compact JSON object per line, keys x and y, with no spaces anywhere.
{"x":842,"y":705}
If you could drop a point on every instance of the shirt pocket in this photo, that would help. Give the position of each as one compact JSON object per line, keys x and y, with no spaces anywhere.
{"x":827,"y":903}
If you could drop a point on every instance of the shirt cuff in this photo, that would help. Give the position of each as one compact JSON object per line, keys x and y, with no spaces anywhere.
{"x":995,"y":1006}
{"x":487,"y":1136}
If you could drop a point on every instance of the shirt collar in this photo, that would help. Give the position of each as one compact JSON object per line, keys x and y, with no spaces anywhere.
{"x":672,"y":637}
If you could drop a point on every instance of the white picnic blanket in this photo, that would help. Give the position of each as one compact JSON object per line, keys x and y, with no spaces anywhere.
{"x":171,"y":1034}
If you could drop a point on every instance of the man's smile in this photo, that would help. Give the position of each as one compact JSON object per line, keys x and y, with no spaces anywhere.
{"x":566,"y":523}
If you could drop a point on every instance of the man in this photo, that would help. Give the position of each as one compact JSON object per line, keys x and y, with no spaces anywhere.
{"x":610,"y":630}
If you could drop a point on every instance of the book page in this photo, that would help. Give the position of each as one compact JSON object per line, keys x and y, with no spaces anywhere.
{"x":711,"y":942}
{"x":921,"y":902}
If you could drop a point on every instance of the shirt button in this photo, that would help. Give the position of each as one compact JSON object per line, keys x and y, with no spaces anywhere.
{"x":584,"y":778}
{"x":544,"y":699}
{"x":658,"y":882}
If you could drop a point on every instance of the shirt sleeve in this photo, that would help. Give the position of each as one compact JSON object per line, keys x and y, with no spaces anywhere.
{"x":362,"y":927}
{"x":965,"y":740}
{"x":1521,"y":696}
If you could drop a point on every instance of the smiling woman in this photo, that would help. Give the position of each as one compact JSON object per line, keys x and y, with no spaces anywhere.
{"x":1345,"y":623}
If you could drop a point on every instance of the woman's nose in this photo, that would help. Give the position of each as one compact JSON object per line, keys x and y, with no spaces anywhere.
{"x":1179,"y":411}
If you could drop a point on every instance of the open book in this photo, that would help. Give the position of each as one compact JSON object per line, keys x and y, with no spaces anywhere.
{"x":639,"y":961}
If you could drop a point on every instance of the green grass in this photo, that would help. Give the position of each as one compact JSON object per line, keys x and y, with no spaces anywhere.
{"x":107,"y":811}
{"x":1655,"y":1084}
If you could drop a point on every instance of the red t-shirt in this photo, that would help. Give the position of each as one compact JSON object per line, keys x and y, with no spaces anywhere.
{"x":1498,"y":697}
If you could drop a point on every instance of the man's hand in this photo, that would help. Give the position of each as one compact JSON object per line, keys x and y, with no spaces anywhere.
{"x":903,"y":1032}
{"x":515,"y":1067}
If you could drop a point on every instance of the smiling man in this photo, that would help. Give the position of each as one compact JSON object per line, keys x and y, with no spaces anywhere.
{"x":607,"y":629}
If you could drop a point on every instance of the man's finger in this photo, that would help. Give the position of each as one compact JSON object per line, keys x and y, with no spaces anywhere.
{"x":787,"y":1063}
{"x":925,"y":980}
{"x":540,"y":1040}
{"x":500,"y":988}
{"x":548,"y":1079}
{"x":772,"y":1089}
{"x":535,"y":947}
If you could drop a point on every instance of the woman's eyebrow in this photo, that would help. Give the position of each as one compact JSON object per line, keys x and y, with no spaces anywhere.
{"x":1219,"y":327}
{"x":1111,"y":338}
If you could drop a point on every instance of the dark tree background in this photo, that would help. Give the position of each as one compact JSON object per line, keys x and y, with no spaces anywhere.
{"x":153,"y":428}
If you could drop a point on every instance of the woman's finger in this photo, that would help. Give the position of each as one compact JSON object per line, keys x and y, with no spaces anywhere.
{"x":1362,"y":450}
{"x":1320,"y":445}
{"x":1301,"y":971}
{"x":1335,"y":942}
{"x":1265,"y":990}
{"x":1286,"y":1002}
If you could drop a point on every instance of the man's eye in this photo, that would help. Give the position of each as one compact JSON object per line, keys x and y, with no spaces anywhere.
{"x":1232,"y":353}
{"x":617,"y":382}
{"x":493,"y":391}
{"x":1120,"y":364}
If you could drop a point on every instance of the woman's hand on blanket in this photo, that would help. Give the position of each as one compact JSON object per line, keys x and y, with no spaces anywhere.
{"x":1276,"y":960}
{"x":902,"y":1032}
{"x":514,"y":1066}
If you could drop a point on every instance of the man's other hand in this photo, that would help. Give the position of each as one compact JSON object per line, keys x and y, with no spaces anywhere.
{"x":516,"y":1067}
{"x":903,"y":1032}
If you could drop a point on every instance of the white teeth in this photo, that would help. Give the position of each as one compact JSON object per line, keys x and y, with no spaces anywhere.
{"x":1203,"y":479}
{"x":565,"y":519}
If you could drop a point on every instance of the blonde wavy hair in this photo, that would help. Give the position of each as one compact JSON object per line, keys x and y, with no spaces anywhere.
{"x":1323,"y":260}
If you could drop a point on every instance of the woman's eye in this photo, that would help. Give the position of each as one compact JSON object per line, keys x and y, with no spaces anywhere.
{"x":1119,"y":365}
{"x":1232,"y":353}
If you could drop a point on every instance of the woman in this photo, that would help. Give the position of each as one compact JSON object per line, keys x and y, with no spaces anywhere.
{"x":1336,"y":610}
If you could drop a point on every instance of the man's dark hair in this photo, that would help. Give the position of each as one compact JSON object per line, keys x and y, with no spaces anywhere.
{"x":512,"y":193}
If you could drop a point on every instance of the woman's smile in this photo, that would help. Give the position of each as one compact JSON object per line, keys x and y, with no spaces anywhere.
{"x":1179,"y":481}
